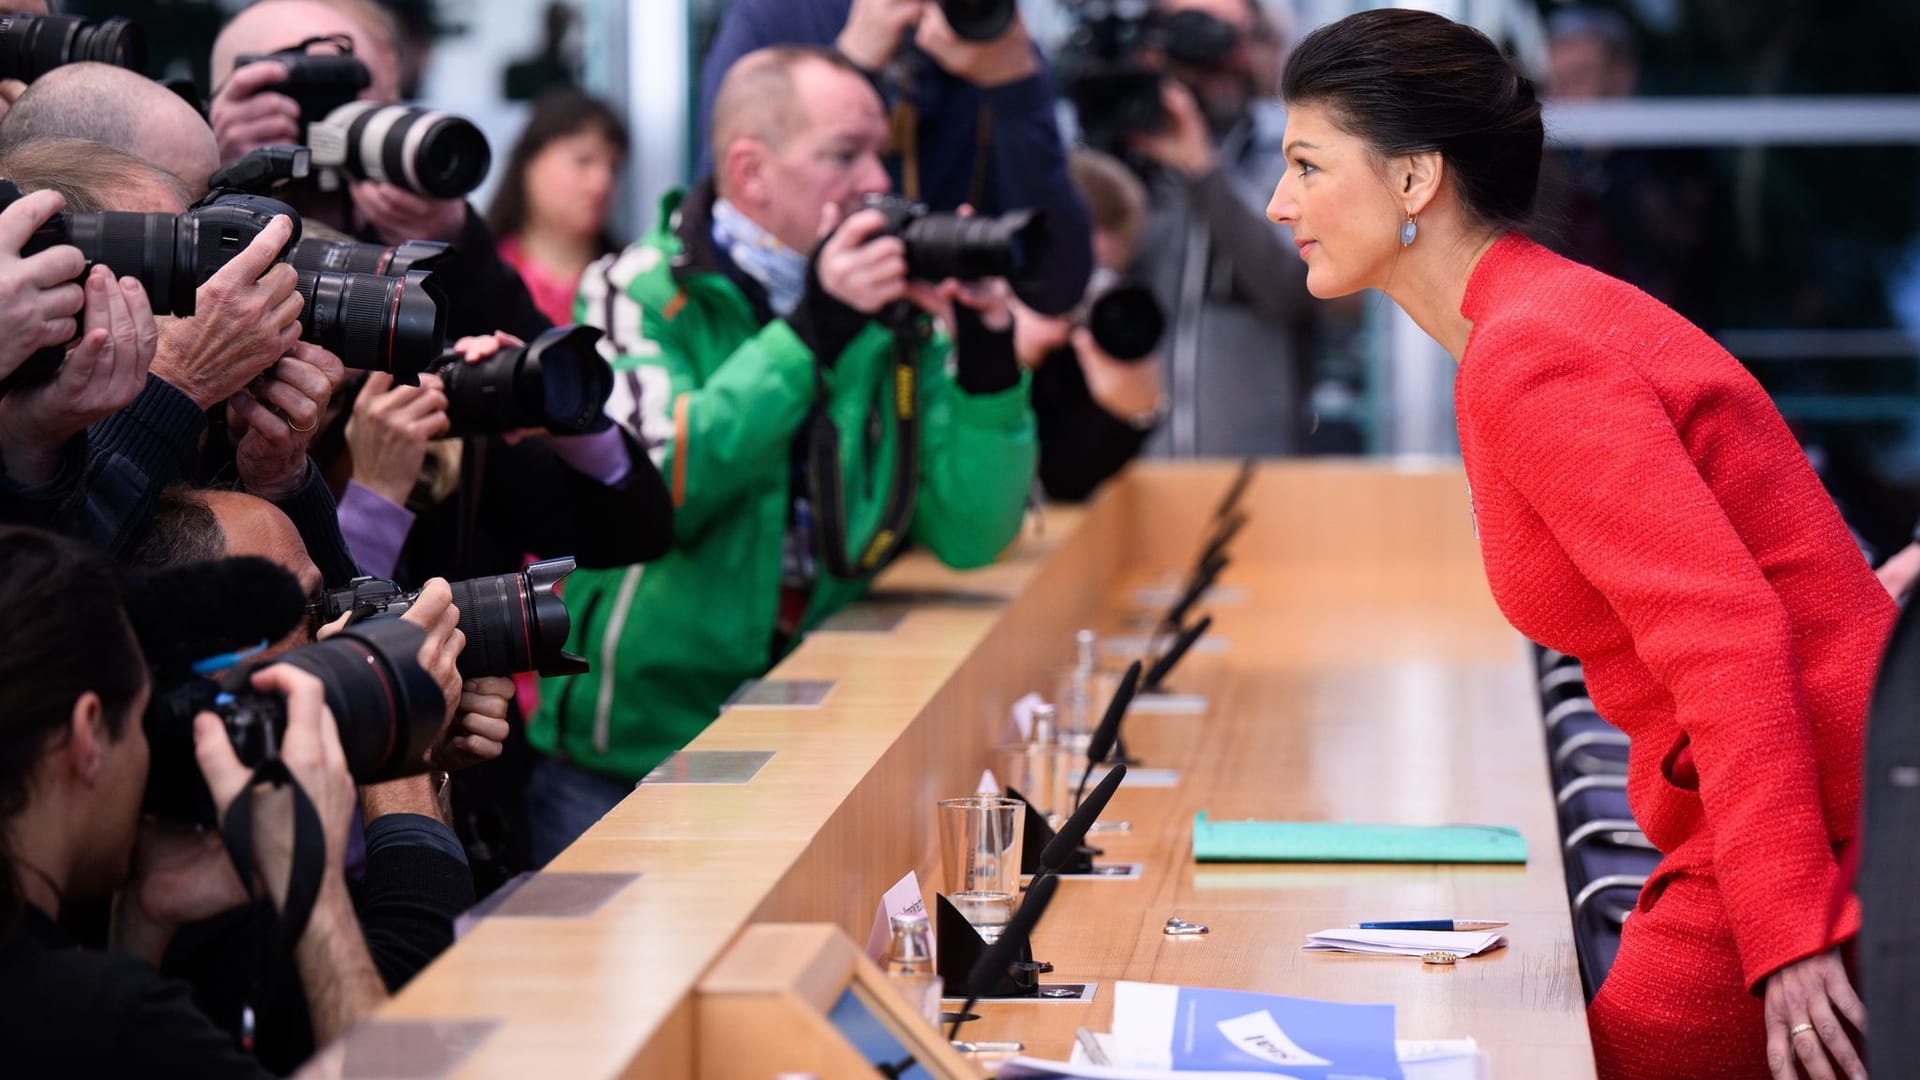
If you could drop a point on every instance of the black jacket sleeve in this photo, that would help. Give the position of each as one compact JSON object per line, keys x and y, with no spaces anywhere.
{"x":483,"y":293}
{"x":541,"y":504}
{"x":132,"y":456}
{"x":54,"y":505}
{"x":1081,"y":444}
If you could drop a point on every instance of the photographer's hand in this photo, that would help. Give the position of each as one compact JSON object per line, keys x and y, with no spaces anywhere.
{"x":854,"y":267}
{"x":276,"y":418}
{"x":399,"y":215}
{"x":1006,"y":59}
{"x":435,"y":612}
{"x":181,"y":875}
{"x":1126,"y":390}
{"x":40,"y":297}
{"x":480,"y":730}
{"x":246,"y":317}
{"x":101,"y":376}
{"x":873,"y":30}
{"x":245,"y":116}
{"x":1184,"y":145}
{"x":388,"y":433}
{"x":341,"y":983}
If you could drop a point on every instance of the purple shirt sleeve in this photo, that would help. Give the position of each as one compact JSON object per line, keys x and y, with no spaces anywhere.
{"x":375,"y":529}
{"x":602,"y":455}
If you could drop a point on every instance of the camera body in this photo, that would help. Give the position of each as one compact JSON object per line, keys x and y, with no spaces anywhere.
{"x":318,"y":83}
{"x":1112,"y":63}
{"x":513,"y":623}
{"x":32,"y":45}
{"x":387,"y":708}
{"x":940,"y":246}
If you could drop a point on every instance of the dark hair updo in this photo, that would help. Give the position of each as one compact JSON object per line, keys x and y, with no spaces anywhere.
{"x":1410,"y":82}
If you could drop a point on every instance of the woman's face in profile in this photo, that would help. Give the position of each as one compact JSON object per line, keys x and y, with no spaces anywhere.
{"x":1345,"y":220}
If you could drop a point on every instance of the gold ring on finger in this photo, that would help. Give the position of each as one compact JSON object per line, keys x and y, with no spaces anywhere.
{"x":1798,"y":1029}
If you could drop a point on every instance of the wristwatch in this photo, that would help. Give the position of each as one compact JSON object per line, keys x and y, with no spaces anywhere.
{"x":1146,"y":419}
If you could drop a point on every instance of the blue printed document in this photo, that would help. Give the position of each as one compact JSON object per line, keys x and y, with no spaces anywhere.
{"x":1192,"y":1029}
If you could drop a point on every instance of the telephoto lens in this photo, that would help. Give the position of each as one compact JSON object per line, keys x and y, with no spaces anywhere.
{"x":941,"y":246}
{"x":558,"y":381}
{"x":423,"y":150}
{"x":389,"y":710}
{"x":1124,"y":317}
{"x":374,"y":323}
{"x":514,"y":623}
{"x":356,"y":257}
{"x":32,"y":45}
{"x":979,"y":20}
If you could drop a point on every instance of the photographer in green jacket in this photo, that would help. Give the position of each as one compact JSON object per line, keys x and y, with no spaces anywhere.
{"x":807,"y":421}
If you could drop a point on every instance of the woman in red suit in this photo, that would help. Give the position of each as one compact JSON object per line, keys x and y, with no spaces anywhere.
{"x":1641,"y":505}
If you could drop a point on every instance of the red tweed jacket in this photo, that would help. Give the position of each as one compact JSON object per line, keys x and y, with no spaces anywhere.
{"x":1642,"y":506}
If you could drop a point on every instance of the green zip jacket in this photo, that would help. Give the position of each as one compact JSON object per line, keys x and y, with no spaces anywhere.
{"x":720,"y":396}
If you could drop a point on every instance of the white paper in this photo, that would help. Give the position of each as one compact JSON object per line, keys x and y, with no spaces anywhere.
{"x":1403,"y":942}
{"x":902,"y":899}
{"x":1021,"y":716}
{"x":989,"y":783}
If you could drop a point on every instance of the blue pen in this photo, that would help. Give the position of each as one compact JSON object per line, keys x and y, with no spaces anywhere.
{"x":1431,"y":924}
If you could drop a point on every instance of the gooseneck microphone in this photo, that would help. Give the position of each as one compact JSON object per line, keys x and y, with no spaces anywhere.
{"x":1074,"y":830}
{"x":1237,"y":488}
{"x":1202,"y":581}
{"x":1222,"y":536}
{"x":1101,"y":744}
{"x":999,"y":956}
{"x":1164,"y":666}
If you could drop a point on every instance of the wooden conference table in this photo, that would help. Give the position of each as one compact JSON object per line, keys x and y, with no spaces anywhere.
{"x":1366,"y":676}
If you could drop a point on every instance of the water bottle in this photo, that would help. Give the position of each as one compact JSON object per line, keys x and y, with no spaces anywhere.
{"x":910,"y":965}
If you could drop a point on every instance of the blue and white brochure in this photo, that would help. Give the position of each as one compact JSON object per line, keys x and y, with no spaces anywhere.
{"x":1193,"y":1029}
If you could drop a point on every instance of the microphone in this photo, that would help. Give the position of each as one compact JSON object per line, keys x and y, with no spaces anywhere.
{"x":1101,"y":744}
{"x":1202,"y":581}
{"x":999,"y":956}
{"x":1074,"y":830}
{"x":1236,"y":489}
{"x":1164,"y":666}
{"x":197,"y":610}
{"x":1221,"y":537}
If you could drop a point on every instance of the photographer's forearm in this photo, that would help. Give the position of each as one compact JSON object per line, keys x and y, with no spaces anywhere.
{"x":136,"y":935}
{"x":1270,"y":277}
{"x":336,"y":970}
{"x":407,"y":795}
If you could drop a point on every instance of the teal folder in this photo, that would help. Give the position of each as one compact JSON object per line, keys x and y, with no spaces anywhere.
{"x":1347,"y":842}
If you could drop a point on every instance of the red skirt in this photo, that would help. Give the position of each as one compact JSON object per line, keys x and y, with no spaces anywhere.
{"x":1675,"y":1004}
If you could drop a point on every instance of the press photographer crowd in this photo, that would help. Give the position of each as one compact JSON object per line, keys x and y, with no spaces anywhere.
{"x":360,"y":547}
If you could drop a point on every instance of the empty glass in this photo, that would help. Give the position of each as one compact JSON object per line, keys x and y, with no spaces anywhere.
{"x":980,"y":842}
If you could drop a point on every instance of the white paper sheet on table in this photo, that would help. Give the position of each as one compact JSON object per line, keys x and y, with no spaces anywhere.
{"x":1403,"y":942}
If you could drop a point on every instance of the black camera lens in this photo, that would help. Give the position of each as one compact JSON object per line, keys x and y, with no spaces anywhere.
{"x":32,"y":45}
{"x":979,"y":20}
{"x":375,"y":323}
{"x":513,"y":622}
{"x":941,"y":246}
{"x":516,"y":623}
{"x":143,"y":246}
{"x":355,"y":257}
{"x":1125,"y":318}
{"x":387,"y":708}
{"x":558,"y":381}
{"x":423,"y":150}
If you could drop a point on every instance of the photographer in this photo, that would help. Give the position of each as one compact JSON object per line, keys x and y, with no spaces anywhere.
{"x":1093,"y":411}
{"x":1238,"y":309}
{"x":980,"y":114}
{"x":239,"y":353}
{"x":247,"y":112}
{"x":72,"y":770}
{"x":788,"y":486}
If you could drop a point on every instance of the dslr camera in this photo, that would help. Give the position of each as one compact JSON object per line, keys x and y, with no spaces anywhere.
{"x":1013,"y":245}
{"x":387,"y":707}
{"x":1113,"y":60}
{"x":514,"y":623}
{"x":426,"y":151}
{"x":369,"y":321}
{"x":558,"y":381}
{"x":32,"y":45}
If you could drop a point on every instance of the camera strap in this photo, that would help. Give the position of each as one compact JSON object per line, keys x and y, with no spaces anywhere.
{"x":827,"y":481}
{"x":303,"y":878}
